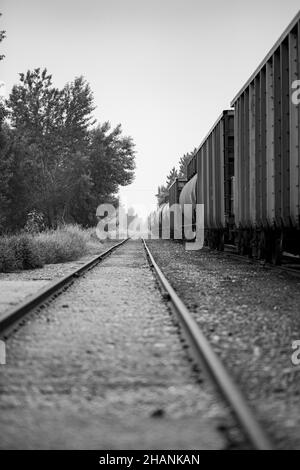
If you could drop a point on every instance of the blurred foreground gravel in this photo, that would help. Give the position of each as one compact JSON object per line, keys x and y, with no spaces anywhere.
{"x":103,"y":367}
{"x":251,"y":315}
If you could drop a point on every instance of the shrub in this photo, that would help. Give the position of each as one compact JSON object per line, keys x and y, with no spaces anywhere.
{"x":19,"y":252}
{"x":35,"y":222}
{"x":29,"y":251}
{"x":7,"y":256}
{"x":64,"y":244}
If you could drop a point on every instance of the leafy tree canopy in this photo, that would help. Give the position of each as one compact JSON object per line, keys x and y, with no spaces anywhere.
{"x":55,"y":160}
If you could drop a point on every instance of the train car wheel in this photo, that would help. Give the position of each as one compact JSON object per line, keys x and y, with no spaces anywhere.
{"x":261,"y":249}
{"x":277,"y":252}
{"x":221,"y":242}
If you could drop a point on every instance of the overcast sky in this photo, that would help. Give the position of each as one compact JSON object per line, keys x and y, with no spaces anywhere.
{"x":164,"y":69}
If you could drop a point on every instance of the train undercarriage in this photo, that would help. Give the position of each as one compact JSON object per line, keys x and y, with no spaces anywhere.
{"x":268,"y":243}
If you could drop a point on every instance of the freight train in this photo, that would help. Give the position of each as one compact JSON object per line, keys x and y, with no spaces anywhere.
{"x":246,"y":171}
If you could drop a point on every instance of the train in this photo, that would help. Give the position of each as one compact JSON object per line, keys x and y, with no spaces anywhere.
{"x":246,"y":171}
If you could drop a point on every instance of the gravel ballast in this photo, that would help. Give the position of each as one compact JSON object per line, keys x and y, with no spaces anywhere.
{"x":251,"y":315}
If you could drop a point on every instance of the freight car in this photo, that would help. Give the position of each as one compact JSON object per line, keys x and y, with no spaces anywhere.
{"x":267,"y":139}
{"x":188,"y":197}
{"x":210,"y":176}
{"x":174,"y":196}
{"x":153,"y":225}
{"x":215,"y":169}
{"x":164,"y":221}
{"x":246,"y":171}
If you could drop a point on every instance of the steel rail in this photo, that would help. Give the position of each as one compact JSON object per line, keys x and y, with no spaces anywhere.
{"x":12,"y":316}
{"x":205,"y":355}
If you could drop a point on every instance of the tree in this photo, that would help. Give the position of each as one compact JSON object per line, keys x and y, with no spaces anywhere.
{"x":183,"y":163}
{"x":162,"y":195}
{"x":77,"y":105}
{"x":53,"y":125}
{"x":18,"y":171}
{"x":4,"y":165}
{"x":112,"y":162}
{"x":163,"y":190}
{"x":5,"y":170}
{"x":171,"y":177}
{"x":57,"y":163}
{"x":75,"y":182}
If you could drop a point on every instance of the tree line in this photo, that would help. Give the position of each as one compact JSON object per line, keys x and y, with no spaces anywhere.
{"x":163,"y":190}
{"x":55,"y":159}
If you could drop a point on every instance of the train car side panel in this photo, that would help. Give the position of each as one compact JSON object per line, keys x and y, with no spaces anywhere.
{"x":294,"y":46}
{"x":272,"y":225}
{"x":270,"y":156}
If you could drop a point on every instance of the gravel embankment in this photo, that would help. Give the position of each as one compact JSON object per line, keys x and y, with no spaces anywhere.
{"x":103,"y":367}
{"x":251,"y":315}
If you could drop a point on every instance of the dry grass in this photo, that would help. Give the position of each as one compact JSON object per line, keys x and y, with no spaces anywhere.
{"x":26,"y":251}
{"x":65,"y":244}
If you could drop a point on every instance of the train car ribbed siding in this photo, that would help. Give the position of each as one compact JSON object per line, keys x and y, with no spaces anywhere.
{"x":267,"y":174}
{"x":277,"y":136}
{"x":294,"y":72}
{"x":219,"y":189}
{"x":205,"y":183}
{"x":263,"y":168}
{"x":251,"y":213}
{"x":297,"y":154}
{"x":237,"y":176}
{"x":200,"y":171}
{"x":213,"y":178}
{"x":257,"y":151}
{"x":215,"y":169}
{"x":175,"y":190}
{"x":225,"y":152}
{"x":270,"y":144}
{"x":174,"y":195}
{"x":285,"y":130}
{"x":211,"y":182}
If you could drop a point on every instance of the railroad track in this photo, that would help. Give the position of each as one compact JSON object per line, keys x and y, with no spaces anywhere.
{"x":107,"y":353}
{"x":204,"y":355}
{"x":200,"y":347}
{"x":12,"y":317}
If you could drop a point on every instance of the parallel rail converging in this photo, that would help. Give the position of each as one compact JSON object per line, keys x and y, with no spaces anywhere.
{"x":204,"y":355}
{"x":11,"y":317}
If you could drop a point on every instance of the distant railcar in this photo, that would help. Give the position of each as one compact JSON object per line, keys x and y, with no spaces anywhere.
{"x":188,"y":197}
{"x":164,"y":221}
{"x":175,"y":190}
{"x":267,"y":140}
{"x":174,"y":195}
{"x":153,"y":224}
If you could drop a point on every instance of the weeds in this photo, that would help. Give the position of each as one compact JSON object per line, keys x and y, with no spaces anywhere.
{"x":29,"y":251}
